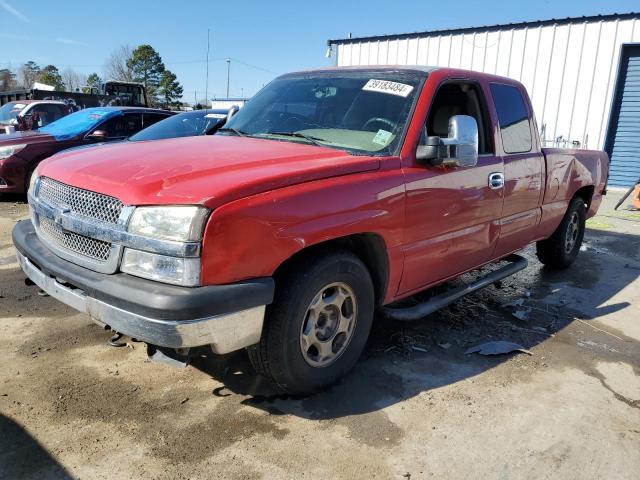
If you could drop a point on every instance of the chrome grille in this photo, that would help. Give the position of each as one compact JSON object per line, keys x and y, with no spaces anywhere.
{"x":79,"y":201}
{"x":89,"y":247}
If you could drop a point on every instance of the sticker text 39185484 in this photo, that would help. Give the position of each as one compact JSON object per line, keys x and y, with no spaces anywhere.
{"x":386,"y":86}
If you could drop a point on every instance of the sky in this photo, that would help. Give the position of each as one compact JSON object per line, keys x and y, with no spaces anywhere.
{"x":262,"y":38}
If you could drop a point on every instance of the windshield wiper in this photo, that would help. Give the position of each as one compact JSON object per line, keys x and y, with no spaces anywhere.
{"x":310,"y":138}
{"x":235,"y":131}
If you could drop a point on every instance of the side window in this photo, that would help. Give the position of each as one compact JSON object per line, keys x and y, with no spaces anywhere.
{"x":458,"y":99}
{"x":513,"y":118}
{"x":47,"y":113}
{"x":123,"y":126}
{"x":151,"y":118}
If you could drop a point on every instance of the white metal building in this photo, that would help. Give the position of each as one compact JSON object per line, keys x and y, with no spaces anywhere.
{"x":583,"y":74}
{"x":226,"y":103}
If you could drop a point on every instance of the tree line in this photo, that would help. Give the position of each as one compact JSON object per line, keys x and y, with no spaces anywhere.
{"x":142,"y":64}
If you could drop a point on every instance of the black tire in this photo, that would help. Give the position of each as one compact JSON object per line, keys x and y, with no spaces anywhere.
{"x":279,"y":355}
{"x":554,"y":251}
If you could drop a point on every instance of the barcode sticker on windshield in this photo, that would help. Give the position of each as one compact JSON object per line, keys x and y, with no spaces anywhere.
{"x":385,"y":86}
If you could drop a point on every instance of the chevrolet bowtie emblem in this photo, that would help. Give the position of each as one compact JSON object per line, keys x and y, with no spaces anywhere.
{"x":59,"y":213}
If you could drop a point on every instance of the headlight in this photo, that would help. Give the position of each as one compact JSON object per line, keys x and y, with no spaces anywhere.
{"x":180,"y":223}
{"x":175,"y":270}
{"x":32,"y":180}
{"x":6,"y":152}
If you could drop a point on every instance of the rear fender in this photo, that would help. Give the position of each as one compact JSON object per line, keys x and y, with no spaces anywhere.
{"x":570,"y":171}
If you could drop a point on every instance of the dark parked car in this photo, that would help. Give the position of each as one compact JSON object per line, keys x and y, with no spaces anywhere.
{"x":187,"y":124}
{"x":20,"y":152}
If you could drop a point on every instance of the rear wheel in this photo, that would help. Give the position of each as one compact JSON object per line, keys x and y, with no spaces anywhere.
{"x":561,"y":249}
{"x":318,"y":324}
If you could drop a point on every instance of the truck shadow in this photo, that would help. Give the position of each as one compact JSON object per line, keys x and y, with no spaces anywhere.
{"x":21,"y":456}
{"x":13,"y":198}
{"x":403,"y":360}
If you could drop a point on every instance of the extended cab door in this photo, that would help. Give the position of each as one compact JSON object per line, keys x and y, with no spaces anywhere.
{"x":524,"y":168}
{"x":452,"y":215}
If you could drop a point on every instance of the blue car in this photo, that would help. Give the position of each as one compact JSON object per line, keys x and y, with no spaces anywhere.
{"x":20,"y":152}
{"x":187,"y":124}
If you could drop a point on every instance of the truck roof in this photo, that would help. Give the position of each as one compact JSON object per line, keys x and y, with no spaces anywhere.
{"x":368,"y":68}
{"x":29,"y":102}
{"x":425,"y":69}
{"x":133,"y":109}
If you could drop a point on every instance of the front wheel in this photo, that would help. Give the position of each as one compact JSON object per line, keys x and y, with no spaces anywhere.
{"x":318,"y":324}
{"x":561,"y":249}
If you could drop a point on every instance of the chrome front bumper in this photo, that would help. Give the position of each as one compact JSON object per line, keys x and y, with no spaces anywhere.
{"x":225,"y":333}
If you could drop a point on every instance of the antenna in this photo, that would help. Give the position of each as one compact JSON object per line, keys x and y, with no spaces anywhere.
{"x":206,"y":88}
{"x":228,"y":69}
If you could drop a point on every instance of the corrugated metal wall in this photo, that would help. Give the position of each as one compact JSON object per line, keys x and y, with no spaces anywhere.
{"x":623,"y":143}
{"x":568,"y":69}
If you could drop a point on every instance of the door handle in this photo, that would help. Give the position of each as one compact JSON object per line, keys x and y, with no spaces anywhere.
{"x":496,"y":181}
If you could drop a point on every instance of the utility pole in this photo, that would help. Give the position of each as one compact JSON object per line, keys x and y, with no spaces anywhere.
{"x":206,"y":88}
{"x":228,"y":73}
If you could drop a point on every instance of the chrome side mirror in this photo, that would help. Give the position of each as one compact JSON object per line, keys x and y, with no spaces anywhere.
{"x":99,"y":135}
{"x":232,"y":111}
{"x":459,"y":149}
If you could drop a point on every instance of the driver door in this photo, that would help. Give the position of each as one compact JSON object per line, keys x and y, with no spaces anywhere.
{"x":452,"y":215}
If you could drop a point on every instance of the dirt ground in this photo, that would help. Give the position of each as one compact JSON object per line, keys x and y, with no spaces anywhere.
{"x":415,"y":407}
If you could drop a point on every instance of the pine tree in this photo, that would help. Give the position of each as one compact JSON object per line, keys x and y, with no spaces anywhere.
{"x":169,"y":89}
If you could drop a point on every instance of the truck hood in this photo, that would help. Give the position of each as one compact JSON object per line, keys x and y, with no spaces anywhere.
{"x":207,"y":170}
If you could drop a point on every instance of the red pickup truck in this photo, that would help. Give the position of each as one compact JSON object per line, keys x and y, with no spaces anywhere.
{"x":333,"y":192}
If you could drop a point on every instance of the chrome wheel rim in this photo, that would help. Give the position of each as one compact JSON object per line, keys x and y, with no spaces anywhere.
{"x":328,"y":325}
{"x":573,"y":229}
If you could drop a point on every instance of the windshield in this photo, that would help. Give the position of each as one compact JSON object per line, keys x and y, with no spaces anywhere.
{"x":188,"y":124}
{"x":358,"y":111}
{"x":79,"y":123}
{"x":9,"y":112}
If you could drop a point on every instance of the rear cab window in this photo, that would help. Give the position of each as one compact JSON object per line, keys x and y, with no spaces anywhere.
{"x":513,"y":118}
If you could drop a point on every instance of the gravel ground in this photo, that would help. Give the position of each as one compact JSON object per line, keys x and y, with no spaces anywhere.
{"x":415,"y":407}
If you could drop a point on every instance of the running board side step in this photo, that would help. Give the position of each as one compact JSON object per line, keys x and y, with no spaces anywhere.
{"x":417,"y":312}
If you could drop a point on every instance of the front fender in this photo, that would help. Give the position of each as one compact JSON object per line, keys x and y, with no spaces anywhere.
{"x":252,"y":237}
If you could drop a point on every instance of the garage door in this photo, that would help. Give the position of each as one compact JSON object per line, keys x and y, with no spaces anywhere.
{"x":623,"y":139}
